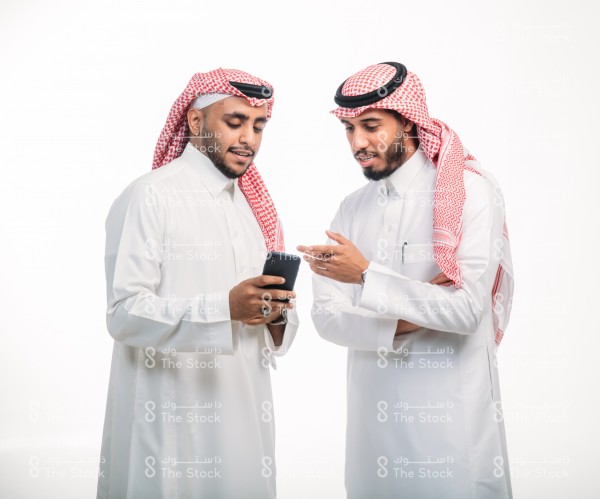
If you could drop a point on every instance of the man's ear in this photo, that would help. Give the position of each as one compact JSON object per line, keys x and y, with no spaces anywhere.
{"x":407,"y":125}
{"x":195,"y":119}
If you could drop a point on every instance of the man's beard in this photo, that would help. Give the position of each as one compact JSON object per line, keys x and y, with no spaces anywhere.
{"x":213,"y":151}
{"x":394,"y":159}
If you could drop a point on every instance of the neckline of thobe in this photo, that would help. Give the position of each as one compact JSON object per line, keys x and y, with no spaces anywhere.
{"x":402,"y":177}
{"x":214,"y":181}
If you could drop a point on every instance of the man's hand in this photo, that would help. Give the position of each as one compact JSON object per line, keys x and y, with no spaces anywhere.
{"x":248,"y":300}
{"x":408,"y":327}
{"x":405,"y":327}
{"x":342,"y":262}
{"x":441,"y":280}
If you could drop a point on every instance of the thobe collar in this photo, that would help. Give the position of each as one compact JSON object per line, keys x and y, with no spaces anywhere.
{"x":214,"y":181}
{"x":400,"y":180}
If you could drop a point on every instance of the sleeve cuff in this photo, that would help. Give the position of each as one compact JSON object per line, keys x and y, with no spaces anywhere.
{"x":386,"y":329}
{"x":212,"y":310}
{"x":374,"y":296}
{"x":288,"y":336}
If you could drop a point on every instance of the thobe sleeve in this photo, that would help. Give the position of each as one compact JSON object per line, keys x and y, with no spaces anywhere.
{"x":448,"y":308}
{"x":338,"y":320}
{"x":136,"y":315}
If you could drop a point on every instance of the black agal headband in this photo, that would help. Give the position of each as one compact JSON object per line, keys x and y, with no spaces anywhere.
{"x":353,"y":101}
{"x":255,"y":91}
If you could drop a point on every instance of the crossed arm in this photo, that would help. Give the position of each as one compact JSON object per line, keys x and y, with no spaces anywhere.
{"x":345,"y":263}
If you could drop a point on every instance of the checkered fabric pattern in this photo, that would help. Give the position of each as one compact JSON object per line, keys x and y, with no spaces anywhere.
{"x":443,"y":147}
{"x":175,"y":136}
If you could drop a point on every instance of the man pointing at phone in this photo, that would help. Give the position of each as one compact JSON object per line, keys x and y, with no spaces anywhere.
{"x":189,"y":410}
{"x":416,"y":282}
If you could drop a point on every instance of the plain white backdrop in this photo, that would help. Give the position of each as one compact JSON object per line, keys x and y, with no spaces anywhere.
{"x":85,"y":88}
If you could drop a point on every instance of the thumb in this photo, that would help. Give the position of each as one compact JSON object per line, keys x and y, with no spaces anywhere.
{"x":338,"y":238}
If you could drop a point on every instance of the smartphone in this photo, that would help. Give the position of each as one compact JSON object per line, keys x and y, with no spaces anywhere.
{"x":283,"y":265}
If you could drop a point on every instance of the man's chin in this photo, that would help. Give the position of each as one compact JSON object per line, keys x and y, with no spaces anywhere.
{"x":371,"y":174}
{"x":232,"y":171}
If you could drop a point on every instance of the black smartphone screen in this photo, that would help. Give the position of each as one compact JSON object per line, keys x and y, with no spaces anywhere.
{"x":283,"y":265}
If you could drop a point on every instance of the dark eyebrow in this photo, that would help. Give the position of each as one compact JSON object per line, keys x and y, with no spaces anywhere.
{"x":364,"y":120}
{"x":239,"y":116}
{"x":245,"y":117}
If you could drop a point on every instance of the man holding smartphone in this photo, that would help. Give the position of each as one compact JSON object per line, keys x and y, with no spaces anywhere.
{"x":190,"y":410}
{"x":424,"y":413}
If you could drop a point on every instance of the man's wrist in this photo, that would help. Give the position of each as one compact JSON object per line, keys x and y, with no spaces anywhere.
{"x":282,"y":321}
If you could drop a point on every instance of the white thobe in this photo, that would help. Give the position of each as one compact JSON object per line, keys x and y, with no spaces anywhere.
{"x":189,"y":411}
{"x":424,"y":417}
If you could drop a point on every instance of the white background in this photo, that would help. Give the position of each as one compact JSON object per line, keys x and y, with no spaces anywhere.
{"x":85,"y":88}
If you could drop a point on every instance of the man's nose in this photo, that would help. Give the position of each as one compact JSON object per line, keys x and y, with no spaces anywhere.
{"x":248,"y":136}
{"x":359,"y":140}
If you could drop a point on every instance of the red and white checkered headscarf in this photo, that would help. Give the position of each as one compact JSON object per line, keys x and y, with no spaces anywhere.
{"x":443,"y":147}
{"x":175,"y":136}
